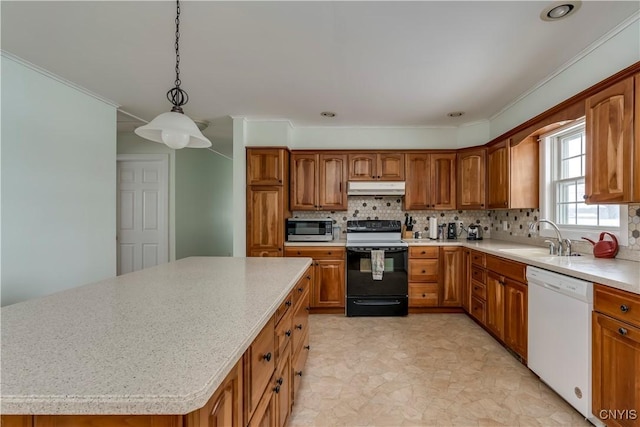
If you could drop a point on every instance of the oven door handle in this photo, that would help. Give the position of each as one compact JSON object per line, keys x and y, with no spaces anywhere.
{"x":368,"y":251}
{"x":376,"y":302}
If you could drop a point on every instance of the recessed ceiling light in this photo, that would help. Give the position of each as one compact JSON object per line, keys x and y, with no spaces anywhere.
{"x":328,"y":114}
{"x":456,"y":114}
{"x":560,"y":10}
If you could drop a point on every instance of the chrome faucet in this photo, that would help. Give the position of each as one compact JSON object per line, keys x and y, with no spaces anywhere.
{"x":564,"y":245}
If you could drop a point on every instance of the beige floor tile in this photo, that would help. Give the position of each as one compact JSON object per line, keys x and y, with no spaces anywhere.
{"x":419,"y":370}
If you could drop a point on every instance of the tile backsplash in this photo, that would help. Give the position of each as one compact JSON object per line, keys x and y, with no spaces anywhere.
{"x":491,"y":221}
{"x":390,"y":207}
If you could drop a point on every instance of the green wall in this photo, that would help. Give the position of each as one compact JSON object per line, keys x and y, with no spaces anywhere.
{"x":58,"y":174}
{"x":203,"y":204}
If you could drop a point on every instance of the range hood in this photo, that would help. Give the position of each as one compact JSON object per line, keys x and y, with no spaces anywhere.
{"x":375,"y":188}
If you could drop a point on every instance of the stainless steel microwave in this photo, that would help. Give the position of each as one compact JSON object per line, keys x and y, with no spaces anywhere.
{"x":309,"y":230}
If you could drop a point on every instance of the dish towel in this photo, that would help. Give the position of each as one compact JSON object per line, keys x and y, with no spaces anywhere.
{"x":377,"y":264}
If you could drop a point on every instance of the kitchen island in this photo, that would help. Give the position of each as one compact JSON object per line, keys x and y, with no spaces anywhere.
{"x":158,"y":341}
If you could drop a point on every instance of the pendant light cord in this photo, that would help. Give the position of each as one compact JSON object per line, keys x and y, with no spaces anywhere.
{"x":176,"y":95}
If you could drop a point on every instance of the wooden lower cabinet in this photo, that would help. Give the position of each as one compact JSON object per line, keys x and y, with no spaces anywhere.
{"x":451,"y":289}
{"x":616,"y":357}
{"x":328,"y":276}
{"x":495,"y":304}
{"x":515,"y":316}
{"x":16,"y":420}
{"x":224,"y":409}
{"x":466,"y":279}
{"x":282,"y":389}
{"x":265,"y":412}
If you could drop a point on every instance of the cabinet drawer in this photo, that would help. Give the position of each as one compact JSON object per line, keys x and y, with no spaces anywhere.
{"x":423,"y":252}
{"x":303,"y":285}
{"x":479,"y":290}
{"x":423,"y":270}
{"x":284,"y":332}
{"x":261,"y":363}
{"x":320,"y":252}
{"x":478,"y":274}
{"x":478,"y":258}
{"x":618,"y":304}
{"x":507,"y":268}
{"x":300,"y":321}
{"x":299,"y":360}
{"x":284,"y":307}
{"x":423,"y":294}
{"x":478,"y":309}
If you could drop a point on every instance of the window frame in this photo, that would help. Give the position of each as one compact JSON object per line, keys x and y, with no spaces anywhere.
{"x":549,"y":159}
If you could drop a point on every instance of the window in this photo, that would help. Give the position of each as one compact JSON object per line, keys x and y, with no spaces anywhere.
{"x":562,"y":192}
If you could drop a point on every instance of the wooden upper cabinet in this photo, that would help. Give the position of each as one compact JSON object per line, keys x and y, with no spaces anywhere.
{"x":430,"y":181}
{"x":418,"y":179}
{"x":265,"y":220}
{"x":318,"y":181}
{"x":471,"y":184}
{"x":612,"y":155}
{"x":372,"y":166}
{"x":267,"y":166}
{"x":513,"y":172}
{"x":332,"y":195}
{"x":443,"y":181}
{"x":498,"y":175}
{"x":304,"y":182}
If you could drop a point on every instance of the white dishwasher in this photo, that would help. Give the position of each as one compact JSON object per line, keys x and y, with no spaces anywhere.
{"x":559,"y":349}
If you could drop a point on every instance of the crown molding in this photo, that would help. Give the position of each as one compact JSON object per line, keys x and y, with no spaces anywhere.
{"x":57,"y":78}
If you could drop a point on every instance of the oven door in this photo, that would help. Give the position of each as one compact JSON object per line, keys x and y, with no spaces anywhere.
{"x":360,"y":281}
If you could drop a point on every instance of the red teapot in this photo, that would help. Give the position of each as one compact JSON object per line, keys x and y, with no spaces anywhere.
{"x":604,"y":248}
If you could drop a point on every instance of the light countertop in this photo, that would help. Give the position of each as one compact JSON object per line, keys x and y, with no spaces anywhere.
{"x":617,"y":273}
{"x":157,"y":341}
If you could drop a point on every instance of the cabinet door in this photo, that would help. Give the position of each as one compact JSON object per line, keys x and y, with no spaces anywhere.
{"x":498,"y":175}
{"x":282,"y":389}
{"x":362,"y":167}
{"x":265,"y":413}
{"x":466,"y":279}
{"x":515,"y":327}
{"x":328,"y":284}
{"x":266,"y":166}
{"x":471,"y":179}
{"x":495,"y":304}
{"x":304,"y":182}
{"x":332,"y":188}
{"x":417,"y":181}
{"x":443,"y":181}
{"x":616,"y":369}
{"x":224,"y":409}
{"x":390,"y":167}
{"x":265,"y":220}
{"x":451,"y":289}
{"x":609,"y":152}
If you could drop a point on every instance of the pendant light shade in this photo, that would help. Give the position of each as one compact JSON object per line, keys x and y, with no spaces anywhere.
{"x":175,"y":130}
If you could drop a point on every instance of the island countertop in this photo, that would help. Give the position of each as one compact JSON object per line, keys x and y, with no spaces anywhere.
{"x":157,"y":341}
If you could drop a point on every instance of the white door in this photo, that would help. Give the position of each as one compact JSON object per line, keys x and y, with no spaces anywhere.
{"x":142,"y":211}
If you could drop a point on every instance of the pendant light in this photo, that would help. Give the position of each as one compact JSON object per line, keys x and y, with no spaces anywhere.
{"x":174,"y":128}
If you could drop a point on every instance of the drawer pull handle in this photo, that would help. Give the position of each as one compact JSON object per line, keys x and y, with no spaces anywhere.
{"x":423,"y":252}
{"x":300,"y":290}
{"x":307,"y":308}
{"x":298,"y":252}
{"x":622,"y":331}
{"x":307,"y":347}
{"x":299,"y":326}
{"x":288,"y":333}
{"x":308,"y":277}
{"x":267,"y":357}
{"x":624,"y":308}
{"x":329,"y":253}
{"x":299,"y":373}
{"x":288,"y":303}
{"x":277,"y":389}
{"x":279,"y":381}
{"x":424,"y":271}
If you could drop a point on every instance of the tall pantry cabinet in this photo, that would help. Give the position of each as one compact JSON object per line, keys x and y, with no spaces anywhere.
{"x":267,"y":200}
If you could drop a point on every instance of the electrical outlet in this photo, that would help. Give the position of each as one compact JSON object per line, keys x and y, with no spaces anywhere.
{"x":460,"y":225}
{"x":505,"y":226}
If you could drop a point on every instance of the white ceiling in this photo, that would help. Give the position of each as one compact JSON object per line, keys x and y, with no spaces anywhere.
{"x":373,"y":63}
